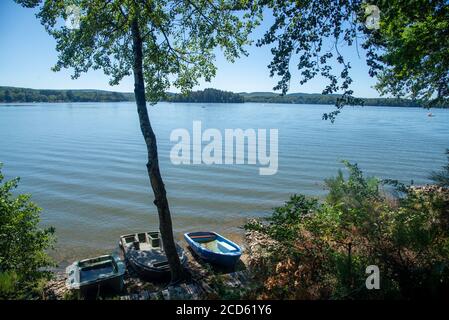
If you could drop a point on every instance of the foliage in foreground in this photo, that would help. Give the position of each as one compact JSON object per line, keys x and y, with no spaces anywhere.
{"x":321,"y":250}
{"x":22,"y":244}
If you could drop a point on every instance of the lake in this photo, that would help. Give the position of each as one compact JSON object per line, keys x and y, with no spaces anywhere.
{"x":84,"y":163}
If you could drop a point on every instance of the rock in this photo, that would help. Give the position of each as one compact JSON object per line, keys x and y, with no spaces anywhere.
{"x":56,"y":289}
{"x":257,"y":245}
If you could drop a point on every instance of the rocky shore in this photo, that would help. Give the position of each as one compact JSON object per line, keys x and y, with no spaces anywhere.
{"x":431,"y":188}
{"x":205,"y":282}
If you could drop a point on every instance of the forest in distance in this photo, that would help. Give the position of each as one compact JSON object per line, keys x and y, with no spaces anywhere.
{"x":26,"y":95}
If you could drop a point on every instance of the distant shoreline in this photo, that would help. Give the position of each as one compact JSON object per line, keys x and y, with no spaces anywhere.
{"x":27,"y":95}
{"x":35,"y":103}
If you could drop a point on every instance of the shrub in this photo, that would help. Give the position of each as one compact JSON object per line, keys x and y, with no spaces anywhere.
{"x":23,"y":260}
{"x":323,"y":248}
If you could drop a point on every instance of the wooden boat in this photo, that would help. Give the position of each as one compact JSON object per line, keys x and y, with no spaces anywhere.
{"x":214,"y":248}
{"x":103,"y":273}
{"x":144,"y":252}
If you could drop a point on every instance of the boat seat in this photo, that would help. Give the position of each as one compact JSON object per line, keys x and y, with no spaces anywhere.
{"x":145,"y":246}
{"x":225,"y":247}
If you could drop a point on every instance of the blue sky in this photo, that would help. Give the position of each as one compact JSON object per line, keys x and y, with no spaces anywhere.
{"x":27,"y":53}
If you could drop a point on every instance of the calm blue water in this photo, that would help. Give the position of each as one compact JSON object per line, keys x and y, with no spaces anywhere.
{"x":84,"y":163}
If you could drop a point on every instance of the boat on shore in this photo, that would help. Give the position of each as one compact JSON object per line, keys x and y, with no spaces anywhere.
{"x":144,"y":252}
{"x":214,"y":248}
{"x":103,"y":273}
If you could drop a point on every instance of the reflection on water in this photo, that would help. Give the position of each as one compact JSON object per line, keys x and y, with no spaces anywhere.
{"x":84,"y":163}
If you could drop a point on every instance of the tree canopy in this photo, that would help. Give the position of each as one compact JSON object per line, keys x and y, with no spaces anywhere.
{"x":179,"y":38}
{"x":407,"y":51}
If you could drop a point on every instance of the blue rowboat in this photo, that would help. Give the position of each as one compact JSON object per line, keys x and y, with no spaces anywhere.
{"x":214,"y":248}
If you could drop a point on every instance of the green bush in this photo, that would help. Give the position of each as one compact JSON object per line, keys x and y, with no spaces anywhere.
{"x":23,"y":260}
{"x":323,"y":248}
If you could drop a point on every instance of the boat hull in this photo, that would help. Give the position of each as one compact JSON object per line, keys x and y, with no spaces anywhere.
{"x":106,"y":286}
{"x":148,"y":260}
{"x":101,"y":274}
{"x":224,"y":259}
{"x":147,"y":273}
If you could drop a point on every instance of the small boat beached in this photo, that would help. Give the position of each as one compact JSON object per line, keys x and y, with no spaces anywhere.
{"x":214,"y":248}
{"x":100,"y":273}
{"x":145,"y":254}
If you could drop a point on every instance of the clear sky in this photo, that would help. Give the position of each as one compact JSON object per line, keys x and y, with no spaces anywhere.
{"x":27,"y":53}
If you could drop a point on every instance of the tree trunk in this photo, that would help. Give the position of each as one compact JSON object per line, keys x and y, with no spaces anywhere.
{"x":160,"y":197}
